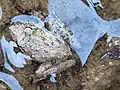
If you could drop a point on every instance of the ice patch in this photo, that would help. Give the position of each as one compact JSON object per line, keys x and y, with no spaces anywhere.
{"x":10,"y":81}
{"x":18,"y":60}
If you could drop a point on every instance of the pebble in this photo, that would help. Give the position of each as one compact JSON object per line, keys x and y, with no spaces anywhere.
{"x":103,"y":65}
{"x":96,"y":79}
{"x":110,"y":63}
{"x":101,"y":73}
{"x":88,"y":77}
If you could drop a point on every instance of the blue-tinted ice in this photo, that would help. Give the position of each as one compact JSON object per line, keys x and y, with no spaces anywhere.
{"x":52,"y":78}
{"x":10,"y":81}
{"x":86,"y":25}
{"x":7,"y":49}
{"x":18,"y":60}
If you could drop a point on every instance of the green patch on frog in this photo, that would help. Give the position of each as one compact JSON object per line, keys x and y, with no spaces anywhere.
{"x":39,"y":33}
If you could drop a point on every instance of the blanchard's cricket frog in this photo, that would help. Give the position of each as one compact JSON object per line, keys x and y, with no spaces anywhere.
{"x":52,"y":52}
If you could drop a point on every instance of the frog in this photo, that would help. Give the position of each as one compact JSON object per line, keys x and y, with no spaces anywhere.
{"x":50,"y":50}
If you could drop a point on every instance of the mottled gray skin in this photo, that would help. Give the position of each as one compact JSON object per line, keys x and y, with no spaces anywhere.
{"x":43,"y":47}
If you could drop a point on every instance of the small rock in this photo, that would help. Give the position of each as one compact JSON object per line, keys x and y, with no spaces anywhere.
{"x":101,"y":73}
{"x":2,"y":86}
{"x":96,"y":79}
{"x":88,"y":77}
{"x":110,"y":63}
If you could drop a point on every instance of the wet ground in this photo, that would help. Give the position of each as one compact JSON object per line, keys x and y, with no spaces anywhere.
{"x":95,"y":75}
